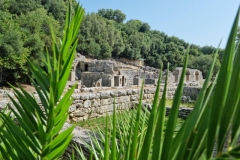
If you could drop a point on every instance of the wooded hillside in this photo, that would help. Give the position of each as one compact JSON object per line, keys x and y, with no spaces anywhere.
{"x":25,"y":33}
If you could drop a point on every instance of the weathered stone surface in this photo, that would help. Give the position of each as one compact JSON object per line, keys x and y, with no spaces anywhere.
{"x":129,"y":92}
{"x":104,"y":102}
{"x":3,"y":103}
{"x":79,"y":105}
{"x":100,"y":103}
{"x":135,"y":91}
{"x":125,"y":98}
{"x":150,"y":96}
{"x":84,"y":96}
{"x":95,"y":102}
{"x":87,"y":104}
{"x":105,"y":95}
{"x":145,"y":96}
{"x":72,"y":108}
{"x":76,"y":96}
{"x":79,"y":113}
{"x":92,"y":96}
{"x":134,"y":97}
{"x":122,"y":93}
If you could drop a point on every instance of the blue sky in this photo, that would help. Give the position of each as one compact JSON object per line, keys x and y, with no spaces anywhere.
{"x":203,"y":22}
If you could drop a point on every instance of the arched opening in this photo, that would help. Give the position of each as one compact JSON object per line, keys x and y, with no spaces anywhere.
{"x":123,"y":81}
{"x":196,"y":75}
{"x":78,"y":72}
{"x":98,"y":84}
{"x":120,"y":81}
{"x":86,"y":67}
{"x":187,"y":75}
{"x":176,"y":73}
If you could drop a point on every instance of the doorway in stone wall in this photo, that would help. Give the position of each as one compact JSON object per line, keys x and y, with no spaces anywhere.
{"x":176,"y":78}
{"x":86,"y":67}
{"x":98,"y":84}
{"x":187,"y":75}
{"x":123,"y":81}
{"x":116,"y":81}
{"x":196,"y":75}
{"x":78,"y":71}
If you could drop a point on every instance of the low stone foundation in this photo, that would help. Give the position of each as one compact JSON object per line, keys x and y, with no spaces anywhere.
{"x":93,"y":105}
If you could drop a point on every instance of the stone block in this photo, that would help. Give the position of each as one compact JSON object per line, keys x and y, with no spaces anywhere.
{"x":150,"y":96}
{"x":72,"y":108}
{"x":104,"y":102}
{"x":134,"y":97}
{"x":149,"y":100}
{"x":122,"y":93}
{"x":79,"y":113}
{"x":87,"y":104}
{"x":135,"y":91}
{"x":102,"y":109}
{"x":92,"y":96}
{"x":129,"y":92}
{"x":145,"y":96}
{"x":95,"y":102}
{"x":84,"y":96}
{"x":79,"y":105}
{"x":109,"y":108}
{"x":125,"y":98}
{"x":76,"y":96}
{"x":97,"y":96}
{"x":105,"y":95}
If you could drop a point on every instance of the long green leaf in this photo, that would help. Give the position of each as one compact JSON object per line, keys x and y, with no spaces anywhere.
{"x":173,"y":115}
{"x":222,"y":88}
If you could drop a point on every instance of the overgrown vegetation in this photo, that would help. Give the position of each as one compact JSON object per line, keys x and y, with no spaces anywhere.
{"x":104,"y":34}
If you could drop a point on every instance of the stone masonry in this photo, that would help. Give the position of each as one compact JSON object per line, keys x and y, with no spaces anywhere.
{"x":96,"y":104}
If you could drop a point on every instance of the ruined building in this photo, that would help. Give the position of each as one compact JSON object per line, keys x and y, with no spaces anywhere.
{"x":110,"y":73}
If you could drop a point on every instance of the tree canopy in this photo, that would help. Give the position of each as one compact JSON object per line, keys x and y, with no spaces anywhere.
{"x":25,"y":33}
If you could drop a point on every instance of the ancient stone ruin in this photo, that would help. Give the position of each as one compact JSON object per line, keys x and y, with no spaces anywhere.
{"x":110,"y":73}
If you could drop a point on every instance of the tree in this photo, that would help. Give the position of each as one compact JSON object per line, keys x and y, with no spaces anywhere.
{"x":37,"y":31}
{"x":208,"y":50}
{"x":101,"y":34}
{"x":23,"y":6}
{"x":145,"y":27}
{"x":203,"y":63}
{"x":13,"y":53}
{"x":110,"y":14}
{"x":57,"y":9}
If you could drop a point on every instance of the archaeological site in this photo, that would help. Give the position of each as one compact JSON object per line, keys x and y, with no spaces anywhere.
{"x":101,"y":82}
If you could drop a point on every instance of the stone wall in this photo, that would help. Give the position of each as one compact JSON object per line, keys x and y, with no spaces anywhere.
{"x":192,"y":92}
{"x":105,"y":66}
{"x":93,"y":105}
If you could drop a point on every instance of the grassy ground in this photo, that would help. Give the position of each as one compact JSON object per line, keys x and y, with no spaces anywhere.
{"x":101,"y":122}
{"x":190,"y":105}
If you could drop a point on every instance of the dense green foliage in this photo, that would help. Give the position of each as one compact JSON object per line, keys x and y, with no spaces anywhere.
{"x":24,"y":33}
{"x":38,"y":133}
